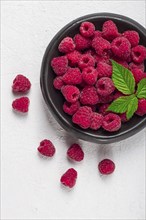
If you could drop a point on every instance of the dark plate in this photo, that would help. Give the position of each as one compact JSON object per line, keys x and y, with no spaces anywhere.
{"x":54,"y":98}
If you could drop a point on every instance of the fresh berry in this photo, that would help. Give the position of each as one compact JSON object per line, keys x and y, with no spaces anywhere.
{"x":73,"y":57}
{"x":123,"y":117}
{"x":103,"y":108}
{"x":106,"y":99}
{"x":105,"y":86}
{"x":104,"y":70}
{"x":133,"y":65}
{"x":141,"y":107}
{"x":71,"y":108}
{"x":133,"y":37}
{"x":21,"y":104}
{"x":72,"y":76}
{"x":104,"y":59}
{"x":86,"y":60}
{"x":75,"y":152}
{"x":67,"y":45}
{"x":69,"y":178}
{"x":100,"y":45}
{"x":138,"y":54}
{"x":97,"y":33}
{"x":59,"y":65}
{"x":81,"y":42}
{"x":117,"y":94}
{"x":87,"y":29}
{"x":111,"y":122}
{"x":70,"y":93}
{"x":96,"y":121}
{"x":89,"y":75}
{"x":138,"y":74}
{"x":58,"y":82}
{"x":109,"y":30}
{"x":90,"y":52}
{"x":106,"y":167}
{"x":121,"y":62}
{"x":21,"y":84}
{"x":89,"y":96}
{"x":46,"y":148}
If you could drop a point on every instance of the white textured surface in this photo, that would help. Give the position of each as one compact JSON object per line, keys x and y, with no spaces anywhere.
{"x":30,"y":184}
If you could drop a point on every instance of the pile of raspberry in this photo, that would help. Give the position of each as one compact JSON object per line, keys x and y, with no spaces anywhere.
{"x":84,"y":73}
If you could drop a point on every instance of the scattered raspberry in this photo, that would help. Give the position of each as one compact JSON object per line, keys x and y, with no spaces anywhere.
{"x":21,"y":104}
{"x":133,"y":65}
{"x":67,"y":45}
{"x":141,"y":107}
{"x":83,"y":117}
{"x":105,"y":86}
{"x":71,"y":108}
{"x":86,"y":60}
{"x":123,"y":117}
{"x":138,"y":54}
{"x":59,"y":65}
{"x":75,"y":152}
{"x":106,"y":99}
{"x":21,"y":84}
{"x":89,"y":96}
{"x":87,"y":29}
{"x":73,"y":57}
{"x":96,"y":121}
{"x":106,"y":167}
{"x":58,"y":82}
{"x":138,"y":74}
{"x":111,"y":122}
{"x":100,"y":45}
{"x":46,"y":148}
{"x":72,"y":76}
{"x":121,"y":62}
{"x":89,"y":75}
{"x":109,"y":30}
{"x":70,"y":93}
{"x":81,"y":42}
{"x":69,"y":178}
{"x":103,"y":108}
{"x":104,"y":70}
{"x":133,"y":37}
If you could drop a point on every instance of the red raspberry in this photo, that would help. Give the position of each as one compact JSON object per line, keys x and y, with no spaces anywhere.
{"x":103,"y":108}
{"x":104,"y":70}
{"x":111,"y":122}
{"x":100,"y":45}
{"x":46,"y":148}
{"x":81,"y":42}
{"x":87,"y":29}
{"x":90,"y":52}
{"x":133,"y":65}
{"x":75,"y":153}
{"x":138,"y":74}
{"x":121,"y":47}
{"x":141,"y":107}
{"x":71,"y":108}
{"x":89,"y":75}
{"x":73,"y":57}
{"x":93,"y":107}
{"x":118,"y":94}
{"x":104,"y":59}
{"x":106,"y":167}
{"x":106,"y":99}
{"x":109,"y":30}
{"x":67,"y":45}
{"x":138,"y":54}
{"x":86,"y":60}
{"x":72,"y":76}
{"x":70,"y":93}
{"x":96,"y":121}
{"x":21,"y":104}
{"x":89,"y":96}
{"x":21,"y":84}
{"x":97,"y":33}
{"x":123,"y":117}
{"x":133,"y":37}
{"x":58,"y":82}
{"x":83,"y":117}
{"x":105,"y":86}
{"x":69,"y":178}
{"x":59,"y":65}
{"x":121,"y":62}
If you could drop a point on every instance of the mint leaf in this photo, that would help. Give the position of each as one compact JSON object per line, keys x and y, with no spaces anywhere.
{"x":132,"y":107}
{"x":141,"y":89}
{"x":123,"y":79}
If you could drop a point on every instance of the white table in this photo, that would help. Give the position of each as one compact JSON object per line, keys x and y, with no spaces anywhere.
{"x":30,"y":184}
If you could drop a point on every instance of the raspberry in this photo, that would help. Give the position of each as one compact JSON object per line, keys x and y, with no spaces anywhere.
{"x":103,"y":108}
{"x":118,"y":94}
{"x":123,"y":117}
{"x":105,"y":99}
{"x":109,"y":30}
{"x":90,"y":52}
{"x":121,"y":62}
{"x":86,"y":60}
{"x":69,"y":178}
{"x":59,"y":65}
{"x":73,"y":57}
{"x":66,"y":45}
{"x":83,"y":117}
{"x":97,"y":33}
{"x":121,"y":47}
{"x":106,"y":166}
{"x":138,"y":54}
{"x":81,"y":42}
{"x":87,"y":29}
{"x":104,"y":59}
{"x":21,"y":104}
{"x":75,"y":152}
{"x":100,"y":45}
{"x":58,"y":82}
{"x":70,"y":93}
{"x":89,"y":75}
{"x":89,"y":96}
{"x":93,"y":107}
{"x":111,"y":122}
{"x":71,"y":108}
{"x":96,"y":121}
{"x":105,"y":86}
{"x":46,"y":148}
{"x":141,"y":107}
{"x":21,"y":84}
{"x":133,"y":65}
{"x":138,"y":74}
{"x":133,"y":37}
{"x":104,"y":70}
{"x":72,"y":76}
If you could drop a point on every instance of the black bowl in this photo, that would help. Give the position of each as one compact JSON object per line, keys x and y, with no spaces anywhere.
{"x":54,"y":98}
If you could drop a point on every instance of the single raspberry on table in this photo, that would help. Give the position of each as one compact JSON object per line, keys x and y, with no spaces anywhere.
{"x":133,"y":65}
{"x":59,"y":65}
{"x":81,"y":42}
{"x":138,"y":75}
{"x":132,"y":36}
{"x":89,"y":96}
{"x":70,"y":93}
{"x":58,"y":82}
{"x":111,"y":122}
{"x":67,"y":45}
{"x":89,"y":75}
{"x":96,"y":121}
{"x":73,"y":57}
{"x":106,"y":167}
{"x":21,"y":104}
{"x":46,"y":148}
{"x":141,"y":107}
{"x":109,"y":30}
{"x":69,"y":178}
{"x":105,"y":86}
{"x":100,"y":45}
{"x":87,"y":29}
{"x":138,"y":54}
{"x":104,"y":69}
{"x":75,"y":153}
{"x":72,"y":76}
{"x":21,"y":84}
{"x":86,"y":60}
{"x":71,"y":108}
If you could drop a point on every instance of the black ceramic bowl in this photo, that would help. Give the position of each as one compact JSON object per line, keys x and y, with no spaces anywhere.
{"x":54,"y":98}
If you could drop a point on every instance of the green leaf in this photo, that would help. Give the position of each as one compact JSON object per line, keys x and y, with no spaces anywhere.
{"x":132,"y":107}
{"x":141,"y":89}
{"x":123,"y":79}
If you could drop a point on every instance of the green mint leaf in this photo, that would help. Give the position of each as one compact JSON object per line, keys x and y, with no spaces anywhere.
{"x":123,"y":79}
{"x":132,"y":107}
{"x":141,"y":89}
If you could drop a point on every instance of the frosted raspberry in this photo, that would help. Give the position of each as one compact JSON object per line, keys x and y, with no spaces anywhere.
{"x":81,"y":42}
{"x":83,"y":117}
{"x":86,"y":60}
{"x":46,"y":148}
{"x":133,"y":65}
{"x":66,"y":45}
{"x":138,"y":74}
{"x":21,"y":104}
{"x":89,"y":96}
{"x":72,"y":76}
{"x":138,"y":54}
{"x":73,"y":57}
{"x":141,"y":107}
{"x":105,"y":86}
{"x":21,"y":84}
{"x":89,"y":75}
{"x":58,"y":82}
{"x":103,"y":108}
{"x":69,"y":178}
{"x":133,"y":37}
{"x":106,"y":99}
{"x":111,"y":122}
{"x":100,"y":45}
{"x":104,"y":70}
{"x":96,"y":121}
{"x":109,"y":30}
{"x":75,"y":153}
{"x":87,"y":29}
{"x":106,"y":167}
{"x":71,"y":108}
{"x":70,"y":93}
{"x":59,"y":65}
{"x":121,"y":62}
